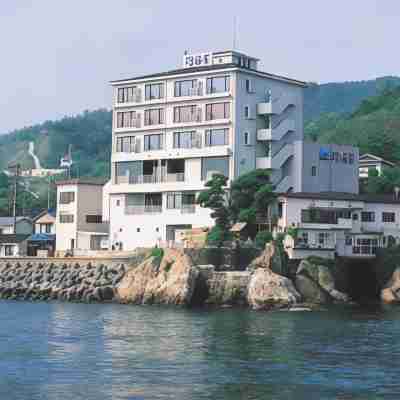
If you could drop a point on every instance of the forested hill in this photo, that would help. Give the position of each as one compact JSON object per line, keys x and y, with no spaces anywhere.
{"x":89,"y":134}
{"x":374,"y":126}
{"x":343,"y":97}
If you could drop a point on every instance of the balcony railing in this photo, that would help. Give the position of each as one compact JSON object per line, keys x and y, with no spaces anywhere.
{"x":134,"y":210}
{"x":188,"y":209}
{"x":140,"y":179}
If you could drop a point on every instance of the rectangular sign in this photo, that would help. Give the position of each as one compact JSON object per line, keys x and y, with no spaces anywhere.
{"x":197,"y":60}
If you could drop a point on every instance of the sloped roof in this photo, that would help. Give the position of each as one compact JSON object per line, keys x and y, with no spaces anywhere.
{"x":369,"y":156}
{"x":9,"y":221}
{"x":13,"y":238}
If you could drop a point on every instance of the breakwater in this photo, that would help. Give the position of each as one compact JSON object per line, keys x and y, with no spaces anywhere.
{"x":61,"y":279}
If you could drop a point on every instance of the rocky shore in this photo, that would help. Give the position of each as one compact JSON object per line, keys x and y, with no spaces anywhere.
{"x":172,"y":277}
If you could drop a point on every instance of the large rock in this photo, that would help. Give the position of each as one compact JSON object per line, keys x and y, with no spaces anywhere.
{"x":267,"y":290}
{"x":271,"y":258}
{"x":170,"y":280}
{"x":310,"y":291}
{"x":316,"y":283}
{"x":390,"y":293}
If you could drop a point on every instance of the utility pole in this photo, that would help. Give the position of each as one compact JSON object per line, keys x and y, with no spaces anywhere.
{"x":16,"y":175}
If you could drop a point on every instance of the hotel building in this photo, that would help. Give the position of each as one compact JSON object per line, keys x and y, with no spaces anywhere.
{"x":218,"y":113}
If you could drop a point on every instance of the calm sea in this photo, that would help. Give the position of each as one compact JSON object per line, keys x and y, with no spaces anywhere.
{"x":77,"y":351}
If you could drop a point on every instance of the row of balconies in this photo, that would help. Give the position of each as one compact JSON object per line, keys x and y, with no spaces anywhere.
{"x":157,"y":209}
{"x":154,"y":178}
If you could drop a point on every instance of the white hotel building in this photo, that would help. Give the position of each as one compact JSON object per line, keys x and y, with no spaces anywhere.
{"x":173,"y":130}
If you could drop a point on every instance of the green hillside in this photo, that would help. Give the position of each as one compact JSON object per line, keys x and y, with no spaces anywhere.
{"x":343,"y":97}
{"x":374,"y":126}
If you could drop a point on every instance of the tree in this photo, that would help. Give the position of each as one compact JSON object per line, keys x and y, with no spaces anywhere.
{"x":216,"y":198}
{"x":251,"y":196}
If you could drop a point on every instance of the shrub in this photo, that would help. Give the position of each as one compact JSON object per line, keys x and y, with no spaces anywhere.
{"x":262,"y":238}
{"x":217,"y":236}
{"x":158,"y":254}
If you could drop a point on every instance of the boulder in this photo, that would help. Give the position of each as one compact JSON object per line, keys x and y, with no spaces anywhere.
{"x":271,"y":258}
{"x":169,"y":280}
{"x":390,"y":292}
{"x":267,"y":290}
{"x":317,"y":284}
{"x":310,"y":291}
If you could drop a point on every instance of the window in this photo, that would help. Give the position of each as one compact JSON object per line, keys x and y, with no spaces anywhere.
{"x":187,"y":140}
{"x":153,"y":142}
{"x":186,"y":114}
{"x":303,"y":239}
{"x":217,"y":111}
{"x":47,"y":228}
{"x":174,"y":200}
{"x":367,"y":216}
{"x":128,"y":119}
{"x":249,"y":86}
{"x":118,"y":203}
{"x":280,"y":209}
{"x":323,"y":238}
{"x":137,"y":230}
{"x":313,"y":170}
{"x":128,"y":144}
{"x":218,"y":84}
{"x":66,"y":218}
{"x":349,"y":241}
{"x":67,"y":197}
{"x":216,"y":137}
{"x":94,"y":219}
{"x":217,"y":165}
{"x":321,"y":216}
{"x":128,"y":172}
{"x":388,"y":217}
{"x":154,"y":116}
{"x":129,"y":94}
{"x":247,"y":112}
{"x":351,"y":158}
{"x":355,"y":217}
{"x":8,"y":250}
{"x":186,"y":88}
{"x":154,"y":91}
{"x":247,"y":138}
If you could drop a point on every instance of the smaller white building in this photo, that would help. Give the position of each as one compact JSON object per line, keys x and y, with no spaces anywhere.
{"x":337,"y":224}
{"x":368,"y":162}
{"x":79,"y":219}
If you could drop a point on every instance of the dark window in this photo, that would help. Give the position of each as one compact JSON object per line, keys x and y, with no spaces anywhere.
{"x":320,"y":216}
{"x":154,"y":91}
{"x":218,"y":84}
{"x":247,"y":138}
{"x":247,"y":112}
{"x":48,"y":228}
{"x":367,"y":216}
{"x":153,"y":142}
{"x":138,"y":230}
{"x":248,"y":86}
{"x":217,"y":111}
{"x":129,"y":94}
{"x":8,"y":250}
{"x":388,"y":217}
{"x":66,"y":218}
{"x":186,"y":113}
{"x":313,"y":170}
{"x":154,"y":116}
{"x":187,"y":140}
{"x":186,"y":88}
{"x":349,"y":241}
{"x":280,"y":210}
{"x":355,"y":217}
{"x":216,"y":137}
{"x":67,"y":197}
{"x":94,"y":219}
{"x":128,"y":119}
{"x":218,"y":165}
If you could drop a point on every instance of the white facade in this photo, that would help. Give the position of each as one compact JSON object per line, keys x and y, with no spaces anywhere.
{"x":172,"y":130}
{"x":332,"y":225}
{"x":79,"y":220}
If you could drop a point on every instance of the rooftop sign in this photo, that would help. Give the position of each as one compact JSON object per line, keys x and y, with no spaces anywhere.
{"x":197,"y":60}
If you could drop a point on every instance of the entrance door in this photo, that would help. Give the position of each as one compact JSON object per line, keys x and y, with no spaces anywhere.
{"x":171,"y":229}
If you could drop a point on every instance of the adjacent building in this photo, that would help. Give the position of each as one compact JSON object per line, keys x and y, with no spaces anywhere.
{"x":369,"y":162}
{"x":218,"y":113}
{"x":79,"y":219}
{"x":338,"y":224}
{"x":13,"y":242}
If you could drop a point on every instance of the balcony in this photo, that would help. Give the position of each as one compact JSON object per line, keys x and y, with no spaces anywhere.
{"x":188,"y":209}
{"x":264,"y":108}
{"x":139,"y":179}
{"x":341,"y":224}
{"x":137,"y":210}
{"x":263,"y":162}
{"x":276,"y":105}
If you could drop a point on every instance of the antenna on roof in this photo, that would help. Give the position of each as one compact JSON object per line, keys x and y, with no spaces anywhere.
{"x":234,"y":32}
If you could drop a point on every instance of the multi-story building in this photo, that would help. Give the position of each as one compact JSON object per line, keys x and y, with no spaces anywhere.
{"x":173,"y":130}
{"x":79,"y":220}
{"x":338,"y":224}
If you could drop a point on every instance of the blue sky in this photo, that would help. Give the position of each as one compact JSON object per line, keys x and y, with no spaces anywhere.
{"x":58,"y":56}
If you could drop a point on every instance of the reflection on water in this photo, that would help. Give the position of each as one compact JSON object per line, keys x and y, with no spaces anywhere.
{"x":77,"y":351}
